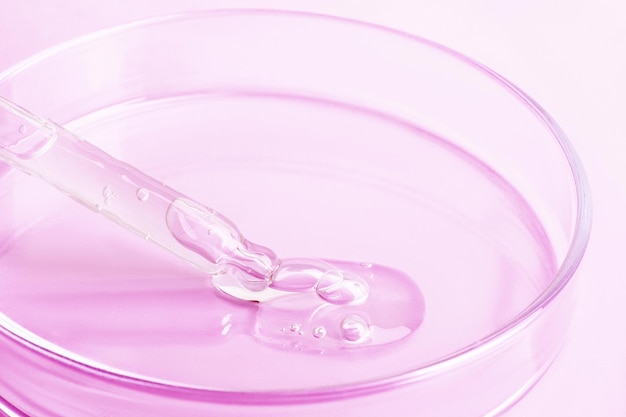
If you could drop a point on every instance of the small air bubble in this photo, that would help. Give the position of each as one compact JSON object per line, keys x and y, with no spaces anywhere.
{"x":354,"y":329}
{"x":295,"y":327}
{"x":22,"y":129}
{"x":142,"y":194}
{"x":319,"y":332}
{"x":339,"y":287}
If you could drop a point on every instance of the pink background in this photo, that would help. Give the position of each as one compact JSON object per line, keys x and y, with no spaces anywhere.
{"x":570,"y":55}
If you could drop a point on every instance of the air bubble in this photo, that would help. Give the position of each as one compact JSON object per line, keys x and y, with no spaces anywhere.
{"x":142,"y":194}
{"x":295,"y":327}
{"x":354,"y":329}
{"x":319,"y":332}
{"x":22,"y":129}
{"x":340,"y":287}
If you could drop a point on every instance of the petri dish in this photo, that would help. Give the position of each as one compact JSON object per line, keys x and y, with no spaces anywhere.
{"x":319,"y":136}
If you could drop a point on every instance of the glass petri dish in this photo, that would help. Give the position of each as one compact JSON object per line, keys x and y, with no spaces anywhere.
{"x":319,"y":136}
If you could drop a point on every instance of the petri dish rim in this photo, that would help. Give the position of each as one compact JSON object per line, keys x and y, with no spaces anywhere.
{"x":564,"y":273}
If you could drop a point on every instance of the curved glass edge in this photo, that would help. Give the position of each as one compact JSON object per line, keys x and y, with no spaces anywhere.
{"x":7,"y":410}
{"x":582,"y":227}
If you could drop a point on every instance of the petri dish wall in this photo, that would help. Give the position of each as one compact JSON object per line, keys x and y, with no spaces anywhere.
{"x":318,"y":136}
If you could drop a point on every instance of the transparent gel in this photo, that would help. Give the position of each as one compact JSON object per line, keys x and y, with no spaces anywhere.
{"x":410,"y":223}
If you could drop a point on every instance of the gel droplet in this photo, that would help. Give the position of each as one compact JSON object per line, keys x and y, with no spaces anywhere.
{"x":142,"y":194}
{"x":343,"y":305}
{"x":392,"y":311}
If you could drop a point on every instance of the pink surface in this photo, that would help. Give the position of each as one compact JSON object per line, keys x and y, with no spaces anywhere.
{"x":568,"y":56}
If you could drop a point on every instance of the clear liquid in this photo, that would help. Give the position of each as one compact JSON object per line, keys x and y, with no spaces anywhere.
{"x":411,"y":202}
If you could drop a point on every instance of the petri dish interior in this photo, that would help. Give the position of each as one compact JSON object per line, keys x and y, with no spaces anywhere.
{"x":319,"y":137}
